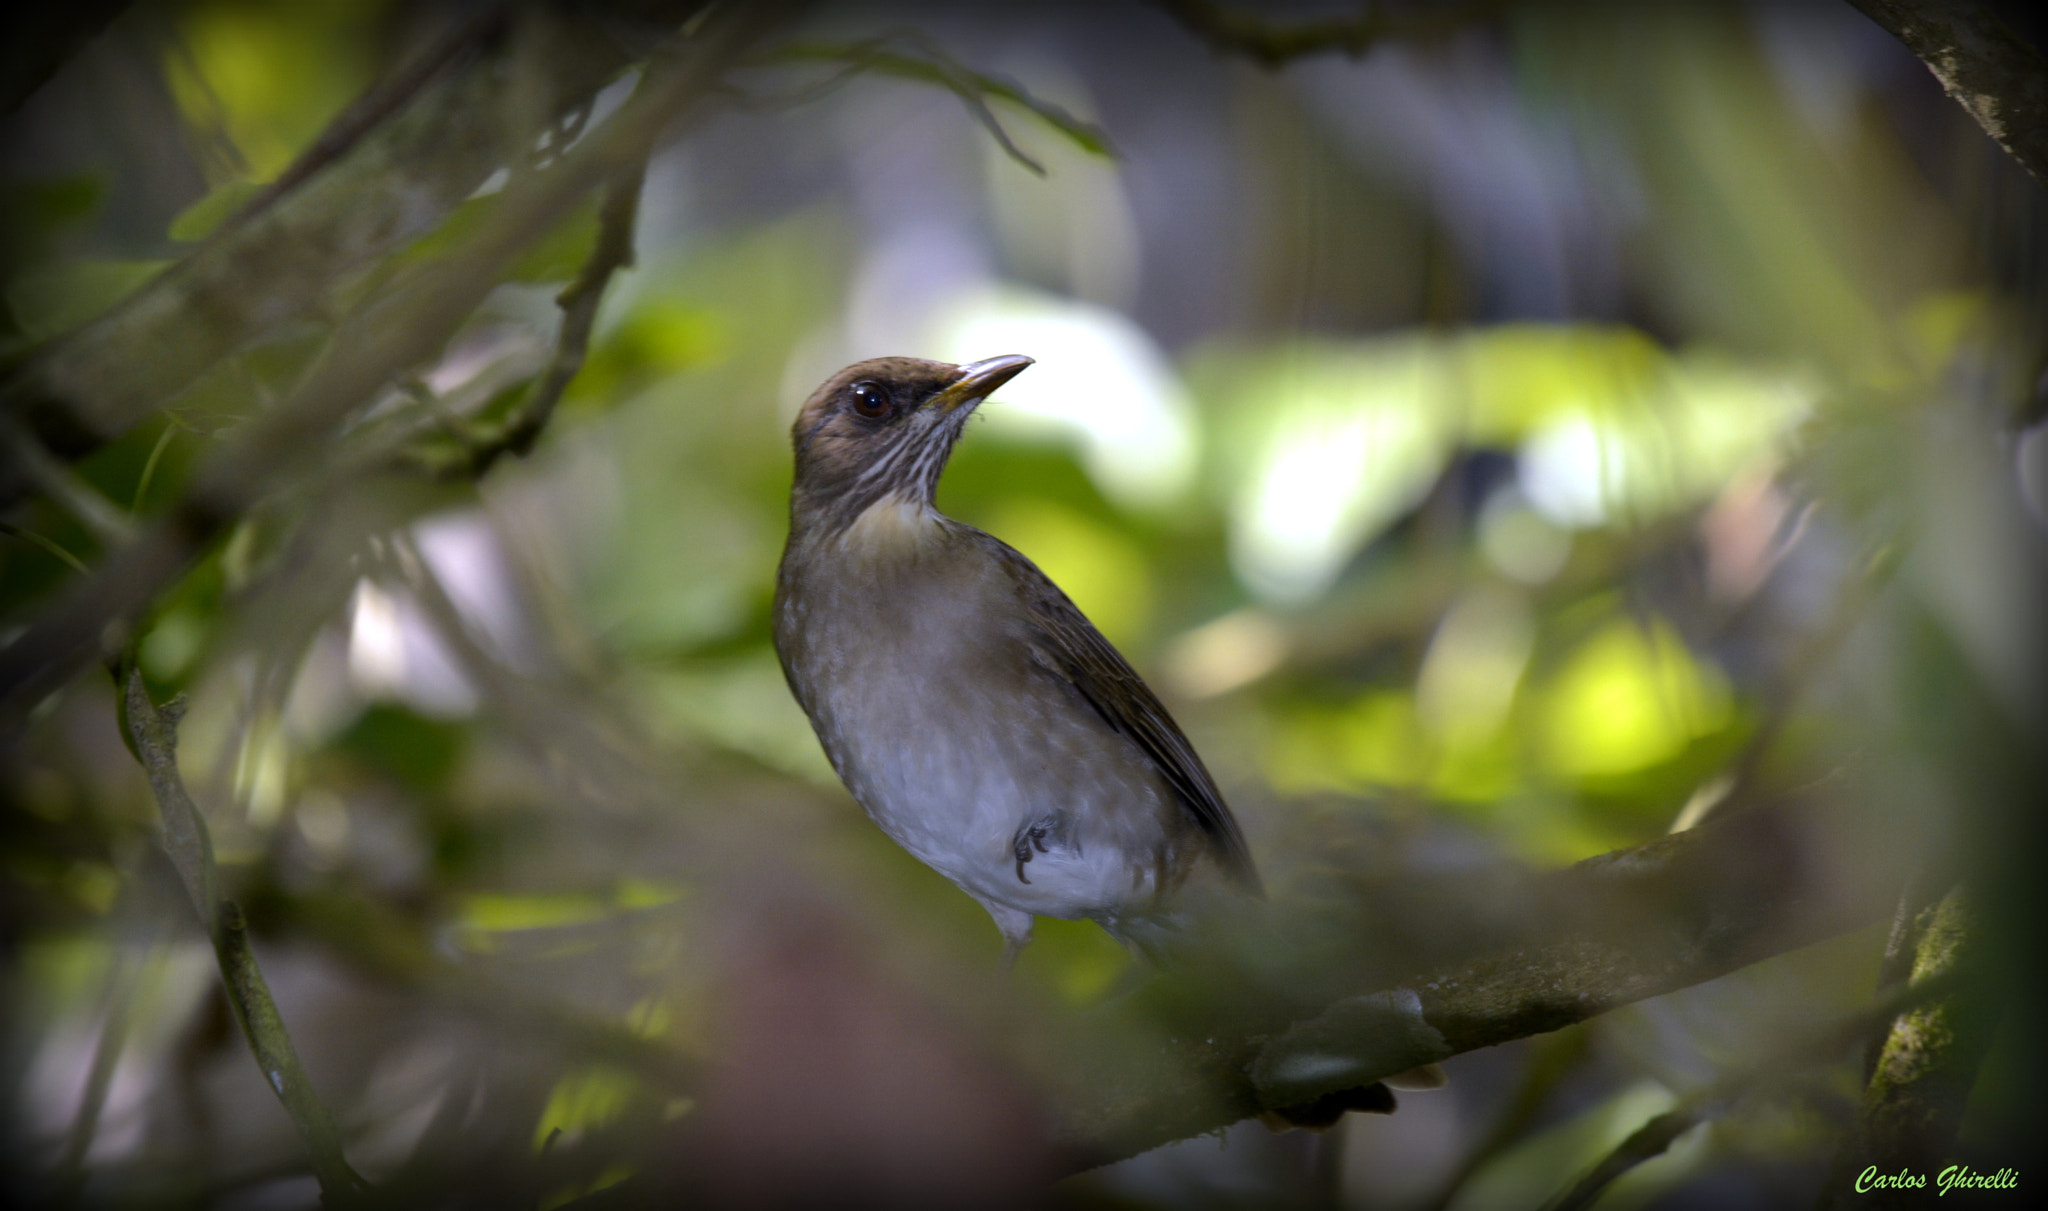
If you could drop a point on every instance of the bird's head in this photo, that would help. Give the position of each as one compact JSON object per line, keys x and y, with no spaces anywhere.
{"x":884,"y":428}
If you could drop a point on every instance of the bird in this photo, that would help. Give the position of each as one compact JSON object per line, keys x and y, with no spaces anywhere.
{"x":969,"y":706}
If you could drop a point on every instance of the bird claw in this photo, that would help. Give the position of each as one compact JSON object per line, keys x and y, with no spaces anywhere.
{"x":1030,"y":838}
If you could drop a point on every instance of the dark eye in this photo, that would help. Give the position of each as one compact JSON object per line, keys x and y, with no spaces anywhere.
{"x":870,"y":399}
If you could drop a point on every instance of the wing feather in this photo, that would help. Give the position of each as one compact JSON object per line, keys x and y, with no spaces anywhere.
{"x":1068,"y":646}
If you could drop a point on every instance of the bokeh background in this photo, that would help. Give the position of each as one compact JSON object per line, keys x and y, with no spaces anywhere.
{"x":1502,"y":446}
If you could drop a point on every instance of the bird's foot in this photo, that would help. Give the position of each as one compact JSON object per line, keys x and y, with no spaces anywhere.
{"x":1027,"y":840}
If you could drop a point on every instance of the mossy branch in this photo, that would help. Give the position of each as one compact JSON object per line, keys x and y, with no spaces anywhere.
{"x":1987,"y":68}
{"x":1913,"y":1104}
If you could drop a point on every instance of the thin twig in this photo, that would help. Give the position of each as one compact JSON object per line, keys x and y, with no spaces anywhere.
{"x":579,"y":301}
{"x":156,"y":453}
{"x":154,"y":733}
{"x":911,"y":56}
{"x":292,"y":261}
{"x":48,"y":544}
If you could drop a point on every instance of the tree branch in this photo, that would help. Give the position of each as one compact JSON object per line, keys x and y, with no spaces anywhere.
{"x":1538,"y":956}
{"x":1914,"y":1102}
{"x":1786,"y":1065}
{"x":1986,"y":67}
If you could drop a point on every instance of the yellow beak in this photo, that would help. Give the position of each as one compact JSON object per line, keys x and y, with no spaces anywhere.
{"x":978,"y":380}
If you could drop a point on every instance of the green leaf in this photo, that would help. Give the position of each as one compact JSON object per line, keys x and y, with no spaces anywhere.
{"x":56,"y":201}
{"x":417,"y":751}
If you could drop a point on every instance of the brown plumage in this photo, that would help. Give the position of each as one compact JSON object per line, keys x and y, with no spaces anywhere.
{"x":978,"y":716}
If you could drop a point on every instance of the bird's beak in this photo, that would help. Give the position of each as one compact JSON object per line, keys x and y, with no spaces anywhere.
{"x":978,"y":380}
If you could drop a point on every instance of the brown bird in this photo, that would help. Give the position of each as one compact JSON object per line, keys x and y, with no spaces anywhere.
{"x":977,"y":716}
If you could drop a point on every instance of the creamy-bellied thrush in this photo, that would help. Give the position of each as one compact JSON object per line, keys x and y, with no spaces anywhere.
{"x":973,"y":711}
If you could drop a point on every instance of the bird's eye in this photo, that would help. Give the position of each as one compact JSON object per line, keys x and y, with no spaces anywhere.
{"x":870,"y":399}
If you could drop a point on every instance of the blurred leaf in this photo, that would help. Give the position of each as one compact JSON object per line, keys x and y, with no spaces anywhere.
{"x":48,"y":203}
{"x":270,"y":76}
{"x":556,"y":256}
{"x":420,"y":752}
{"x":1076,"y":958}
{"x":495,"y":913}
{"x":1335,"y":443}
{"x":590,"y":1097}
{"x":655,"y":337}
{"x":559,"y":255}
{"x":1374,"y":741}
{"x":204,"y":217}
{"x":1629,"y":697}
{"x":53,"y":299}
{"x":1519,"y":376}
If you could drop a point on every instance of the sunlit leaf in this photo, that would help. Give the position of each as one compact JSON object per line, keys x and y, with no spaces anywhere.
{"x":1629,"y":697}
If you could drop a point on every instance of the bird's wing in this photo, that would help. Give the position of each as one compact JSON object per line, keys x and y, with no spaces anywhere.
{"x":1067,"y":645}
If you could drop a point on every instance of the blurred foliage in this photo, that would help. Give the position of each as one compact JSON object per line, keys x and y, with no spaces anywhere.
{"x":1493,"y":449}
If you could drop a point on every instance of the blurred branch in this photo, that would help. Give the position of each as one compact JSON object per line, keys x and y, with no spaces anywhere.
{"x":383,"y":187}
{"x":1914,"y":1102}
{"x":47,"y":544}
{"x":154,"y":732}
{"x":55,"y":480}
{"x":1231,"y":31}
{"x":478,"y":448}
{"x":401,"y":328}
{"x":927,"y":63}
{"x":1987,"y":68}
{"x":1607,"y":932}
{"x":391,"y":949}
{"x":1787,"y":1065}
